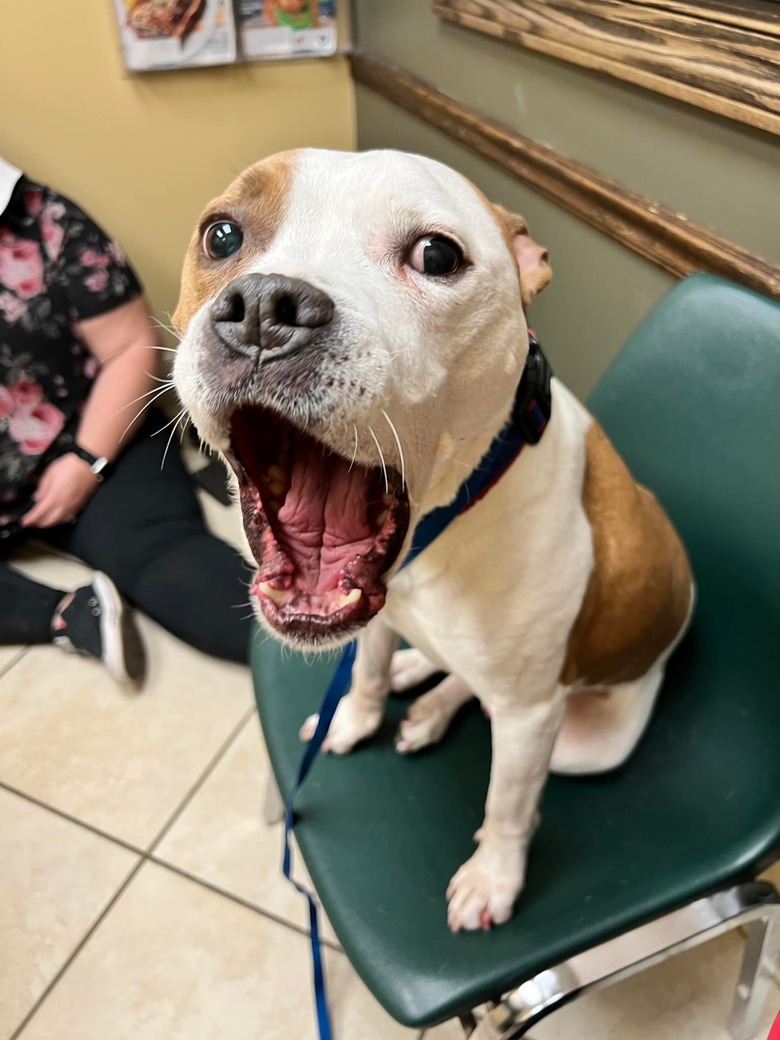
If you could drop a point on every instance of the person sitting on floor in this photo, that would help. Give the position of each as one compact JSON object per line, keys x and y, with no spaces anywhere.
{"x":80,"y":466}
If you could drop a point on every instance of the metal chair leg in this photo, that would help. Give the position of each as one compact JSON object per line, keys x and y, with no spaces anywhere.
{"x":756,"y":904}
{"x":486,"y":1030}
{"x":273,"y":806}
{"x":755,"y":977}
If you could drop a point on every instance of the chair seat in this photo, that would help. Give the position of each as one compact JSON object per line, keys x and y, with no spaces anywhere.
{"x":696,"y":807}
{"x":382,"y":834}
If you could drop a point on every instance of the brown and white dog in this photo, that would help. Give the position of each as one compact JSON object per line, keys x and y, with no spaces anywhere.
{"x":353,"y":335}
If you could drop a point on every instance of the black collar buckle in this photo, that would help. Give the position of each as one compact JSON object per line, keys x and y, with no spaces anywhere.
{"x":533,"y":401}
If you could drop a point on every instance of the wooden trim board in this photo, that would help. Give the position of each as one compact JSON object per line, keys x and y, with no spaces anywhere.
{"x":653,"y":231}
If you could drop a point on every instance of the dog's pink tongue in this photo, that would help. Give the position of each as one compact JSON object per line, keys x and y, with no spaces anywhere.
{"x":325,"y":519}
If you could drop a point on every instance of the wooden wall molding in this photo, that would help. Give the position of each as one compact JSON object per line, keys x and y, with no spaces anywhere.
{"x":720,"y":55}
{"x":653,"y":231}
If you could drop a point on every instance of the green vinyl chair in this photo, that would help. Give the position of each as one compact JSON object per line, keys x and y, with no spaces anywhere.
{"x":628,"y":868}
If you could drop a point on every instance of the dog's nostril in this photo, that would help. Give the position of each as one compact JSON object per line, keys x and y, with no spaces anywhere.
{"x":286,"y":311}
{"x":230,"y":307}
{"x":236,"y":309}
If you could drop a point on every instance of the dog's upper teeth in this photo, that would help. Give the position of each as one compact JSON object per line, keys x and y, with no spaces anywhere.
{"x":277,"y":595}
{"x":388,"y":498}
{"x":276,"y":480}
{"x":346,"y":599}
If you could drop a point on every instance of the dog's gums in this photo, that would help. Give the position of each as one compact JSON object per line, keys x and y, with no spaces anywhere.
{"x":323,"y":530}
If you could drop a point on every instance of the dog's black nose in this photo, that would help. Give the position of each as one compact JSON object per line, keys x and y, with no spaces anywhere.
{"x":269,"y":312}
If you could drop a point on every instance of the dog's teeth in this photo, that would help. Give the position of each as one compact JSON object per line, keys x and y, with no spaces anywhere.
{"x":388,"y":498}
{"x":267,"y":589}
{"x":276,"y":480}
{"x":348,"y":598}
{"x":380,"y":520}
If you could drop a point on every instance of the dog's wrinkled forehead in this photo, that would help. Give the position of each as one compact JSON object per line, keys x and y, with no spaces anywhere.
{"x":308,"y":212}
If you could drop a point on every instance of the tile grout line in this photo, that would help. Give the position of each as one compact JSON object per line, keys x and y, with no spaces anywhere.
{"x":235,"y":898}
{"x":14,"y":661}
{"x":75,"y":952}
{"x":72,"y":819}
{"x":145,"y":855}
{"x":201,"y":780}
{"x":152,"y":857}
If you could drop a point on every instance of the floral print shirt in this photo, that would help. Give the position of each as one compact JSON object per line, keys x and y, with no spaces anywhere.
{"x":57,"y":268}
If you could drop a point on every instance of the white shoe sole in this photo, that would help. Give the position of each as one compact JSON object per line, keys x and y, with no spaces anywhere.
{"x":112,"y":620}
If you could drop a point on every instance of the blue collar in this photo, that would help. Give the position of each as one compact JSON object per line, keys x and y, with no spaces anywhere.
{"x":530,"y":414}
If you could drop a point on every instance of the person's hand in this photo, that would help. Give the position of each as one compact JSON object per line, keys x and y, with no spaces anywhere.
{"x":66,"y":486}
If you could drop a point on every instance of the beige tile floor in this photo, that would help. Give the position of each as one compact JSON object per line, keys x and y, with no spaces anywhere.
{"x":139,"y":888}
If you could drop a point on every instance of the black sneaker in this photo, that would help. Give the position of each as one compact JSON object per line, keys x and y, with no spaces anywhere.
{"x":97,"y":622}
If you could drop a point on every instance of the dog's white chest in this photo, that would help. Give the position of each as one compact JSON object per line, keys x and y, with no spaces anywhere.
{"x":503,"y":584}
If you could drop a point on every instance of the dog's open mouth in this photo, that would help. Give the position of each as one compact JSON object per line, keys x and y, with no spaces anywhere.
{"x":323,"y":530}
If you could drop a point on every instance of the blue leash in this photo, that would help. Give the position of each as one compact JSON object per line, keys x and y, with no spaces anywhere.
{"x":529,"y":418}
{"x":339,"y":685}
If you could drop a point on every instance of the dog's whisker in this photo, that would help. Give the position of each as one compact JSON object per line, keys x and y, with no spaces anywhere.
{"x":158,"y":394}
{"x":391,"y":424}
{"x":173,"y":431}
{"x":168,"y":385}
{"x":167,"y":328}
{"x":167,"y":350}
{"x":175,"y":419}
{"x":381,"y":458}
{"x":354,"y":453}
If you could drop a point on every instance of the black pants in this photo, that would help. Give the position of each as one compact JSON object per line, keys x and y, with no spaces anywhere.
{"x":144,"y":528}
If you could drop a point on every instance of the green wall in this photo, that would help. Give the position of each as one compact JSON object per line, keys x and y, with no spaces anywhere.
{"x":716,"y":172}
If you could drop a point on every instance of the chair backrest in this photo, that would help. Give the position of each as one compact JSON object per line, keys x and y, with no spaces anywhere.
{"x":693,"y":405}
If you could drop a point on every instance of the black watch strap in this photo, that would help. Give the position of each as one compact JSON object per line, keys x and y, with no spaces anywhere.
{"x":99,"y":465}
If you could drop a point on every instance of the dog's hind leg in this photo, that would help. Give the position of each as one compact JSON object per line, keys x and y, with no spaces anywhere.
{"x":408,"y":669}
{"x":360,"y":713}
{"x":429,"y":717}
{"x":601,"y":728}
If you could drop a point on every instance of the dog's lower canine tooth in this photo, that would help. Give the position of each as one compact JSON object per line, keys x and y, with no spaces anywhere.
{"x":380,"y":520}
{"x":348,"y":598}
{"x":277,"y":595}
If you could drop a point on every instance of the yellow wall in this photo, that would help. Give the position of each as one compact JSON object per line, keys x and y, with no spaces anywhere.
{"x":144,"y":153}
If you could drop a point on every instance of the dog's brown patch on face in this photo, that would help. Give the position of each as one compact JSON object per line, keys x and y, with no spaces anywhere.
{"x":639,"y":592}
{"x":257,"y":201}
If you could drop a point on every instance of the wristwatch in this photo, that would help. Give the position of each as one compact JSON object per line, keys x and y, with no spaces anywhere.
{"x":100,"y":466}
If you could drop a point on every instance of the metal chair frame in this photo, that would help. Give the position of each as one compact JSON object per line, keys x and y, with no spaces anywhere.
{"x":754,"y":905}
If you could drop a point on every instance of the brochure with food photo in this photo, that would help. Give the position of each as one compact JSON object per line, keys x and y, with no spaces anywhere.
{"x":287,"y":28}
{"x":174,"y":34}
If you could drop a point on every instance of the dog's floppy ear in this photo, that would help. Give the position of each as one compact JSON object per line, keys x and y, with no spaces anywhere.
{"x":535,"y":271}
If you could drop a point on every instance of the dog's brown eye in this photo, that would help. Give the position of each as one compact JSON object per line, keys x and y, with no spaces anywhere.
{"x":222,"y":240}
{"x":436,"y":256}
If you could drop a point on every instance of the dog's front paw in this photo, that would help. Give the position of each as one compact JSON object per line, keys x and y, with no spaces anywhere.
{"x":351,"y":724}
{"x":483,"y":892}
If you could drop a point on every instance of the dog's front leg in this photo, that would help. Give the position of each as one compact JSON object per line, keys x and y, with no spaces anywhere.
{"x":360,"y":713}
{"x":483,"y":892}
